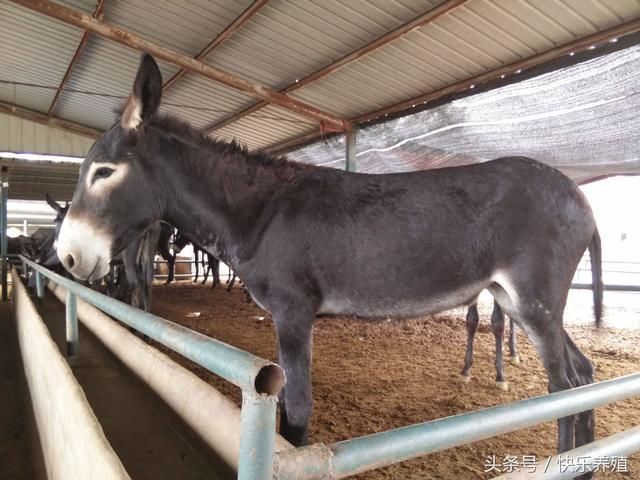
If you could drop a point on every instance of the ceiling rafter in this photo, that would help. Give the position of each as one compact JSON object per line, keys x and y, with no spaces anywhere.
{"x":464,"y":85}
{"x":97,"y":13}
{"x":110,"y":32}
{"x":379,"y":42}
{"x":50,"y":121}
{"x":223,"y":36}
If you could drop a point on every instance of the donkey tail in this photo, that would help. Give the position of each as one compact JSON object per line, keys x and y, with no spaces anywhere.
{"x":595,"y":254}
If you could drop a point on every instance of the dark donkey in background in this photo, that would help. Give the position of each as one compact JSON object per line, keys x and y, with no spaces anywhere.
{"x":311,"y":241}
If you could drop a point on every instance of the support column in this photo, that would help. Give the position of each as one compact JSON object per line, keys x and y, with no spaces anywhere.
{"x":39,"y":284}
{"x":3,"y":231}
{"x":351,"y":141}
{"x":257,"y":436}
{"x":72,"y":324}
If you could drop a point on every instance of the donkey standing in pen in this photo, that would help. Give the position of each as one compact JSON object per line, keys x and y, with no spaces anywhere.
{"x":311,"y":241}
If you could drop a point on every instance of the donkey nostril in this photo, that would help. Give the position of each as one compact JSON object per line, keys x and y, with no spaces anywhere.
{"x":70,"y":261}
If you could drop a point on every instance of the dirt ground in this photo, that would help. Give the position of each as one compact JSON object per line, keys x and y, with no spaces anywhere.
{"x":370,"y":376}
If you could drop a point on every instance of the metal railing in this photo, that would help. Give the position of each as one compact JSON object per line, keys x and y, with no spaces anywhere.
{"x":261,"y":380}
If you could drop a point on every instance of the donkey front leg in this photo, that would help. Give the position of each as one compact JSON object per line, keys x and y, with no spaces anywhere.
{"x":294,"y":332}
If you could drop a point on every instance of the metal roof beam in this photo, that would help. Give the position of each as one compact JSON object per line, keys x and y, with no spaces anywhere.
{"x":380,"y":42}
{"x":81,"y":20}
{"x":51,"y":121}
{"x":527,"y":63}
{"x":81,"y":46}
{"x":232,"y":28}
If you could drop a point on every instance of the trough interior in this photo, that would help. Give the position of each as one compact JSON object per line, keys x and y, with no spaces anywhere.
{"x":150,"y":439}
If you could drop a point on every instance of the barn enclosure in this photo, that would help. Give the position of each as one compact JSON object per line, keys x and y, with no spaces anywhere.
{"x":192,"y":387}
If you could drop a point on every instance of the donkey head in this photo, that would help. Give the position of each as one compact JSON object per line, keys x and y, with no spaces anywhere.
{"x":116,"y":197}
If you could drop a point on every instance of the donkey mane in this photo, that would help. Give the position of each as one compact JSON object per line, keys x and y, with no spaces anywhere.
{"x":233,"y":150}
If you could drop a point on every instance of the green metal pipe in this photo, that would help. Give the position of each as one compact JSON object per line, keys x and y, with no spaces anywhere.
{"x":361,"y":454}
{"x":72,"y":324}
{"x":250,"y":373}
{"x":582,"y":459}
{"x":39,"y":285}
{"x":351,"y":141}
{"x":257,"y":437}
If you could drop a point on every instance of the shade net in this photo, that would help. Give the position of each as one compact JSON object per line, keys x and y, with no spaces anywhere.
{"x":582,"y":119}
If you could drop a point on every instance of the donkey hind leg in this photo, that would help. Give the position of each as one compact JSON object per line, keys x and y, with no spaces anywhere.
{"x":497,"y":325}
{"x":584,"y":373}
{"x":551,"y":345}
{"x":216,"y":272}
{"x":206,"y":269}
{"x":294,"y":333}
{"x":472,"y":327}
{"x":231,"y":282}
{"x":543,"y":325}
{"x":514,"y":358}
{"x":196,"y":256}
{"x":171,"y":261}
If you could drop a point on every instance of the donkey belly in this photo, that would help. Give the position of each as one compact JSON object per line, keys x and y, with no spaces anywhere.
{"x":397,"y":303}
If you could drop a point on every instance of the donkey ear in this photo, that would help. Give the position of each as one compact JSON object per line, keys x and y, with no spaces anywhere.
{"x":144,"y":100}
{"x":52,"y":203}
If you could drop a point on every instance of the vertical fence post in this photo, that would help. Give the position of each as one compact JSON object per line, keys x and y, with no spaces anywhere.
{"x":4,"y":190}
{"x":39,"y":285}
{"x":72,"y":323}
{"x":257,"y":436}
{"x":350,"y":154}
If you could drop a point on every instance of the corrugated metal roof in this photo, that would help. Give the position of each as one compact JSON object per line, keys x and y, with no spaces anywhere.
{"x":109,"y":68}
{"x":34,"y":50}
{"x":288,"y":40}
{"x":105,"y":68}
{"x":202,"y":102}
{"x":479,"y":36}
{"x":268,"y":126}
{"x":283,"y":42}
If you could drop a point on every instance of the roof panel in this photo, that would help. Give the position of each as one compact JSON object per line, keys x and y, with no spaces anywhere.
{"x":286,"y":40}
{"x":35,"y":50}
{"x":202,"y":101}
{"x":282,"y":42}
{"x":183,"y":26}
{"x":478,"y":37}
{"x":266,"y":127}
{"x":104,"y":74}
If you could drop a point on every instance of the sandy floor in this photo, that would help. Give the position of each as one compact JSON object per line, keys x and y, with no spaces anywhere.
{"x":370,"y":376}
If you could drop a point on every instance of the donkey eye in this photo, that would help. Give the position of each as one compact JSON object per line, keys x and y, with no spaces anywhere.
{"x":102,"y":172}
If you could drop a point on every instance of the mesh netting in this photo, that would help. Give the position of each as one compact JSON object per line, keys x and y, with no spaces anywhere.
{"x":582,"y":119}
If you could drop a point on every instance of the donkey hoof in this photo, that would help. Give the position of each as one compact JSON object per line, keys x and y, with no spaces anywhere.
{"x":503,"y":386}
{"x":515,"y":360}
{"x":465,"y":379}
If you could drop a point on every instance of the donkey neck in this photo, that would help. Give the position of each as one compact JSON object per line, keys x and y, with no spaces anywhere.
{"x":219,"y":195}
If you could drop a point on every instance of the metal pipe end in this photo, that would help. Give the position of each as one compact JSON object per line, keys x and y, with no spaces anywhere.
{"x":270,"y":379}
